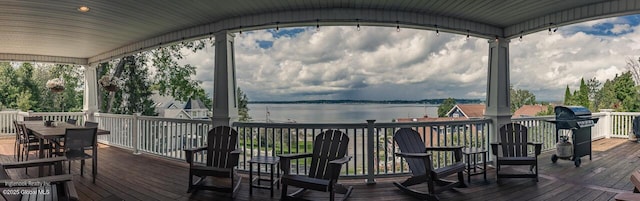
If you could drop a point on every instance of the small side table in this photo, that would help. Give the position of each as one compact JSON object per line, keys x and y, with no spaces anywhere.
{"x":255,"y":182}
{"x":475,"y":168}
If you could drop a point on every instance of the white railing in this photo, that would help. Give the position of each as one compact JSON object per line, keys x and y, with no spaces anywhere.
{"x":6,"y":122}
{"x":371,"y":144}
{"x":7,"y":118}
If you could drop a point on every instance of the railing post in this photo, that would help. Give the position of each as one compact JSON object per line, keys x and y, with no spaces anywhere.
{"x":371,"y":156}
{"x":134,"y":133}
{"x":608,"y":128}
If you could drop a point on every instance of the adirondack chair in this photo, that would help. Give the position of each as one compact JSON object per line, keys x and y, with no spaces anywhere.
{"x":222,"y":158}
{"x":329,"y":150}
{"x":420,"y":162}
{"x":635,"y":180}
{"x":513,"y":150}
{"x":61,"y":185}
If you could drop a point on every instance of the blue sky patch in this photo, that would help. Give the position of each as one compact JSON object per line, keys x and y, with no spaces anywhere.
{"x":288,"y":32}
{"x":264,"y":44}
{"x":607,"y":28}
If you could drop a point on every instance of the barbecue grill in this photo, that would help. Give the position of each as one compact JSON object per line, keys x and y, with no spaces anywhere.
{"x":578,"y":119}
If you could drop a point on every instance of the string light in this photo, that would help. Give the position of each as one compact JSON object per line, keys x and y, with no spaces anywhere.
{"x":550,"y":24}
{"x":317,"y":25}
{"x":437,"y":31}
{"x":497,"y":38}
{"x":467,"y":35}
{"x":277,"y":26}
{"x":358,"y":25}
{"x":520,"y":39}
{"x":240,"y":29}
{"x":397,"y":26}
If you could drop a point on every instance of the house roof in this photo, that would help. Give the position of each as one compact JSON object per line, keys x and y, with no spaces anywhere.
{"x":55,"y":31}
{"x":194,"y":104}
{"x":470,"y":110}
{"x":529,"y":110}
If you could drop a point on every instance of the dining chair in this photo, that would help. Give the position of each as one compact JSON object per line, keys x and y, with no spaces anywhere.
{"x":91,"y":124}
{"x":37,"y":118}
{"x":72,"y":121}
{"x":75,"y":142}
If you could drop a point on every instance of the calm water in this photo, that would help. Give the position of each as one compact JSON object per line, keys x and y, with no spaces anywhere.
{"x":338,"y":113}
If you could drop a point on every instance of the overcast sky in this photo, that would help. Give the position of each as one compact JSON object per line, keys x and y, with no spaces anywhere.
{"x":379,"y":63}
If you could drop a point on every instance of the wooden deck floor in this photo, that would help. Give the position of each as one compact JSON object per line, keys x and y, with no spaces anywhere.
{"x":124,"y":176}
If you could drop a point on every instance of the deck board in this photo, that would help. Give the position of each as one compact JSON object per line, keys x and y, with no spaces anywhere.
{"x":125,"y":176}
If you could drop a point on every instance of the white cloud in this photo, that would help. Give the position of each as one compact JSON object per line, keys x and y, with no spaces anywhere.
{"x":380,"y":63}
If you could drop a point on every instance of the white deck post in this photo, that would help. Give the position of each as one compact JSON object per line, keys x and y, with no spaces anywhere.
{"x":225,"y":104}
{"x":90,"y":98}
{"x":498,"y":103}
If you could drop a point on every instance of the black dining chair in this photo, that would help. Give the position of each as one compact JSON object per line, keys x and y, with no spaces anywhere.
{"x":76,"y":140}
{"x":72,"y":121}
{"x":38,"y":118}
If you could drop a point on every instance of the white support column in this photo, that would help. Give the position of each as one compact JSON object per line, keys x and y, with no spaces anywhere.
{"x":498,"y":103}
{"x":90,"y":98}
{"x":225,"y":104}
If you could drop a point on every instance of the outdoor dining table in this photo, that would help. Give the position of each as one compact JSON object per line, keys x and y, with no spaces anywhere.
{"x":43,"y":133}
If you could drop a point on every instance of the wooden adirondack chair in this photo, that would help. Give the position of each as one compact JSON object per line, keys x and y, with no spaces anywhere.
{"x":61,"y":187}
{"x":329,"y":150}
{"x":421,"y":165}
{"x":514,"y":150}
{"x":222,"y":158}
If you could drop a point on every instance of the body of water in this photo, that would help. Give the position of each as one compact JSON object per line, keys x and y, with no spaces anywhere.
{"x":338,"y":113}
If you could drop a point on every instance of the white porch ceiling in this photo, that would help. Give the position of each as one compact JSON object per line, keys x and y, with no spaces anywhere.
{"x":54,"y":31}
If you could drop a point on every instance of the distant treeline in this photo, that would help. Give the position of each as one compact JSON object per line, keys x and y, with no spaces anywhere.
{"x":424,"y":101}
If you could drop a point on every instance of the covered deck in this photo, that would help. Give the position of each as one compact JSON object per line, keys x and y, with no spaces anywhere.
{"x":125,"y":176}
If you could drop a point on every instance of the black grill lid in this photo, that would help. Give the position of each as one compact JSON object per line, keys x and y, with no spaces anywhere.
{"x":571,"y":112}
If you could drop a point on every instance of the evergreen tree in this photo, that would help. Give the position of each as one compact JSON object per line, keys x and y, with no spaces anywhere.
{"x":567,"y":96}
{"x":582,"y":96}
{"x":8,"y":85}
{"x":446,"y":105}
{"x":136,"y":93}
{"x":243,"y":110}
{"x":626,"y":93}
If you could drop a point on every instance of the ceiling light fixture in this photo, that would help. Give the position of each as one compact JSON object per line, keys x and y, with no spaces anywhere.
{"x":397,"y":26}
{"x":437,"y":31}
{"x":84,"y":9}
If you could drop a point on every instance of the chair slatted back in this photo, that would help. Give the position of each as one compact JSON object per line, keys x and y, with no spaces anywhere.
{"x":19,"y":129}
{"x":24,"y":132}
{"x":327,"y":146}
{"x":409,"y":141}
{"x":90,"y":124}
{"x":38,"y":118}
{"x":221,"y":141}
{"x":72,"y":121}
{"x":79,"y":138}
{"x":513,"y":137}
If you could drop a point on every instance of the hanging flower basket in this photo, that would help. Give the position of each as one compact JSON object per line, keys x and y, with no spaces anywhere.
{"x":55,"y":85}
{"x":110,"y":83}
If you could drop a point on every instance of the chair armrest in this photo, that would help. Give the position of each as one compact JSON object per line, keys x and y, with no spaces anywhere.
{"x":537,"y":147}
{"x":447,"y":148}
{"x":285,"y":161}
{"x":494,"y":148}
{"x":188,"y":152}
{"x":336,"y":165}
{"x":294,"y":156}
{"x":235,"y":157}
{"x":34,"y":163}
{"x":341,"y":161}
{"x":413,"y":155}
